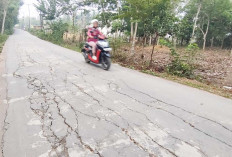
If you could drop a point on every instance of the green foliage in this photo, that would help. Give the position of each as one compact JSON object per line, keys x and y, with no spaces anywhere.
{"x":164,"y":42}
{"x":39,"y":33}
{"x":12,"y":9}
{"x":57,"y":28}
{"x":106,"y":9}
{"x":116,"y":44}
{"x":81,"y":45}
{"x":192,"y":48}
{"x":180,"y":68}
{"x":183,"y":65}
{"x":219,"y":14}
{"x":48,"y":9}
{"x":153,"y":16}
{"x":185,"y":29}
{"x":117,"y":25}
{"x":3,"y":38}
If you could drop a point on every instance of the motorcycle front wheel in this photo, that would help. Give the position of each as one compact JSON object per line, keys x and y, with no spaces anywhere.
{"x":106,"y":63}
{"x":86,"y":57}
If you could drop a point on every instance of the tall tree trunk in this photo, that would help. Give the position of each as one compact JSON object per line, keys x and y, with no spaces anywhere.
{"x":150,"y":40}
{"x":174,"y":41}
{"x":205,"y":33}
{"x":158,"y":40}
{"x":231,"y":47}
{"x":145,"y":41}
{"x":182,"y":40}
{"x":195,"y":22}
{"x":103,"y":12}
{"x":41,"y":21}
{"x":153,"y":48}
{"x":222,"y":43}
{"x":29,"y":11}
{"x":73,"y":20}
{"x":204,"y":38}
{"x":3,"y":21}
{"x":132,"y":31}
{"x":134,"y":38}
{"x":212,"y":40}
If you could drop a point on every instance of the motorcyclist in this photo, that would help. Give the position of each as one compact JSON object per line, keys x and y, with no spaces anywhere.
{"x":93,"y":35}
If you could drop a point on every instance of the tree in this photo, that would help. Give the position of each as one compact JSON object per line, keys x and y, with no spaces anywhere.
{"x":209,"y":20}
{"x":107,"y":9}
{"x":196,"y":20}
{"x":4,"y":5}
{"x":8,"y":14}
{"x":70,"y":7}
{"x":48,"y":8}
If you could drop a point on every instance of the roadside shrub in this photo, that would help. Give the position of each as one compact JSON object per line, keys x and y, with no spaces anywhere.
{"x":164,"y":42}
{"x":183,"y":66}
{"x":58,"y":28}
{"x":116,"y":44}
{"x":180,"y":68}
{"x":81,"y":45}
{"x":191,"y":52}
{"x":3,"y":38}
{"x":120,"y":57}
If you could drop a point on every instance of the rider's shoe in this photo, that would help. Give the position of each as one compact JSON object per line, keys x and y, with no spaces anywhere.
{"x":94,"y":58}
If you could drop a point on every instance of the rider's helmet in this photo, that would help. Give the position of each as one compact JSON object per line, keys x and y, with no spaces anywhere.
{"x":93,"y":21}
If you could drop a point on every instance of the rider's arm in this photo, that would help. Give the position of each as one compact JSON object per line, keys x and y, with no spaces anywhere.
{"x":89,"y":34}
{"x":102,"y":35}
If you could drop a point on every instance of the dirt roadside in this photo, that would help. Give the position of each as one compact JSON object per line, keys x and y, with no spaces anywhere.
{"x":3,"y":91}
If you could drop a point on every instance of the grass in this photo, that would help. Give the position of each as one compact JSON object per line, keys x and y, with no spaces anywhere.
{"x":73,"y":46}
{"x":198,"y":84}
{"x":192,"y":83}
{"x":3,"y":39}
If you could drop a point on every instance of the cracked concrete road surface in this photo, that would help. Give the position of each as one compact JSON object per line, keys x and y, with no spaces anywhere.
{"x":59,"y":106}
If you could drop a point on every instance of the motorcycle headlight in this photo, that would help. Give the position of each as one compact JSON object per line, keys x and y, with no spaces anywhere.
{"x":108,"y":49}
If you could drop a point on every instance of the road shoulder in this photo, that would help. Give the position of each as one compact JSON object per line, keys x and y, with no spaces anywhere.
{"x":3,"y":96}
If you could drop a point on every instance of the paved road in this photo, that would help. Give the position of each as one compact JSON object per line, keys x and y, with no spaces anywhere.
{"x":59,"y":106}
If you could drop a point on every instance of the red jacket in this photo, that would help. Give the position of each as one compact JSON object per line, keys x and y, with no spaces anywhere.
{"x":94,"y":32}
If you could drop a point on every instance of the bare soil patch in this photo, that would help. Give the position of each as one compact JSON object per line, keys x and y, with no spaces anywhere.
{"x":213,"y":67}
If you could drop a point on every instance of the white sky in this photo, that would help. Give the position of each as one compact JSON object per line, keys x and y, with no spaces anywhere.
{"x":24,"y":9}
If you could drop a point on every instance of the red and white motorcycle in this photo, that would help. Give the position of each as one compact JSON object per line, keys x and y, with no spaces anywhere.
{"x":102,"y":54}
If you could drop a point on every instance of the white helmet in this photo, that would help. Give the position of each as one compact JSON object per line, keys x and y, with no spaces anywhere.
{"x":93,"y":21}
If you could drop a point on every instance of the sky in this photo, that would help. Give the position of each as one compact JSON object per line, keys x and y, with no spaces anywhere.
{"x":24,"y":12}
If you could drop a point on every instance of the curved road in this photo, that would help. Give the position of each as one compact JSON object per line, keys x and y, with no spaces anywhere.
{"x":59,"y":106}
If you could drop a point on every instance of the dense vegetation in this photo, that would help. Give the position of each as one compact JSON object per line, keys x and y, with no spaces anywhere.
{"x":8,"y":15}
{"x":8,"y":18}
{"x":208,"y":22}
{"x":3,"y":38}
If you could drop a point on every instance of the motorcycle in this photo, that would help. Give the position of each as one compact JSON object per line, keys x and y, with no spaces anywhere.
{"x":102,"y":54}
